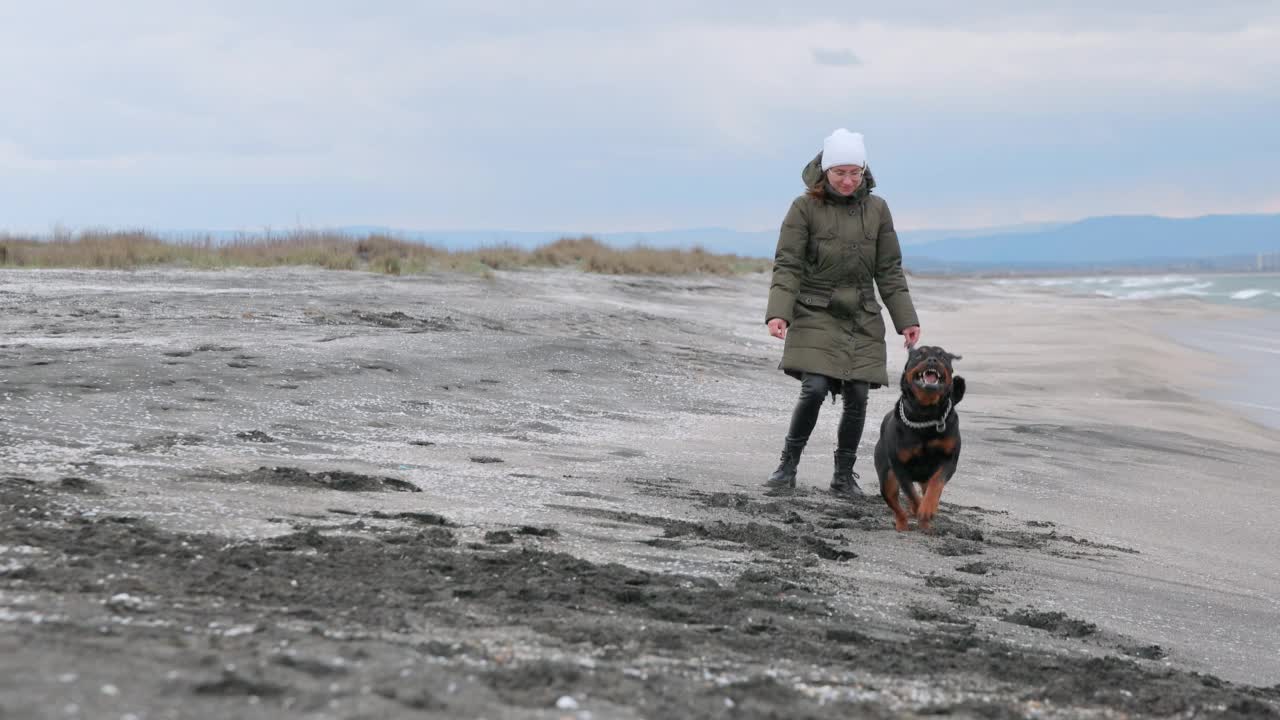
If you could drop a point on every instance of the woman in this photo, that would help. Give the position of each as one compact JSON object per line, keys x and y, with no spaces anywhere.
{"x":837,"y":245}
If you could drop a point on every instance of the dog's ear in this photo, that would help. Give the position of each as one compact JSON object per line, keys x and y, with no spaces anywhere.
{"x":957,"y":389}
{"x":951,"y":357}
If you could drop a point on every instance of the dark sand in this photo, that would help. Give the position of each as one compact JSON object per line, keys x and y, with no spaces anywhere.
{"x":307,"y":494}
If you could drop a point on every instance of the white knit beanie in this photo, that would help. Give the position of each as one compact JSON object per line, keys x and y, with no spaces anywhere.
{"x":843,"y":148}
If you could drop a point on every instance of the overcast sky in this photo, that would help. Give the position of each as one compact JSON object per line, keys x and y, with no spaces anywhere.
{"x":610,"y":116}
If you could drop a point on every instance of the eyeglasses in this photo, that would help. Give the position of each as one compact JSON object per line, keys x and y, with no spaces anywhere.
{"x":848,"y":173}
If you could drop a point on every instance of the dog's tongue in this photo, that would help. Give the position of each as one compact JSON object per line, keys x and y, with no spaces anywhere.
{"x":931,"y":376}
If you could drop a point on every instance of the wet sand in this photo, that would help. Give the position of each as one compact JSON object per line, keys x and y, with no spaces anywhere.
{"x":1250,"y":344}
{"x":292,"y":493}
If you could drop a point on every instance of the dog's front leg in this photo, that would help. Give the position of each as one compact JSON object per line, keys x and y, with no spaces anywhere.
{"x":932,"y":496}
{"x":913,"y":499}
{"x":889,"y":491}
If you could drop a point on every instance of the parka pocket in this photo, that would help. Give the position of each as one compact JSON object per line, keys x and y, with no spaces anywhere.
{"x":870,"y":321}
{"x":822,"y":249}
{"x":814,"y":296}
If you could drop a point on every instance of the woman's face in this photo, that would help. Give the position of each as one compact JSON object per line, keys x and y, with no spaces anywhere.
{"x":845,"y":178}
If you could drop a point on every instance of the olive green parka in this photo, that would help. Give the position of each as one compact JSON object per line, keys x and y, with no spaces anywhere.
{"x":833,"y":253}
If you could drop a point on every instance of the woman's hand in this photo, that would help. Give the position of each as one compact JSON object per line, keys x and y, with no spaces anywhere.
{"x":911,"y":336}
{"x":778,"y":328}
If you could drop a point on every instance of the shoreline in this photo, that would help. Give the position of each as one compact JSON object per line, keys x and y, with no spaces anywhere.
{"x":1246,"y":344}
{"x":1016,"y":276}
{"x":1236,"y":335}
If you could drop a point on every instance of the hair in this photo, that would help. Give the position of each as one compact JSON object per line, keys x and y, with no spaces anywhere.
{"x":818,"y":190}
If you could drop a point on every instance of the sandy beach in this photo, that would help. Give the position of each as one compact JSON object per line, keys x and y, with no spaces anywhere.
{"x":298,"y":493}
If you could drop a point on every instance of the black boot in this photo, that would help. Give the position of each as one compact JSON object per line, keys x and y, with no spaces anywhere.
{"x":844,"y":481}
{"x":785,"y":476}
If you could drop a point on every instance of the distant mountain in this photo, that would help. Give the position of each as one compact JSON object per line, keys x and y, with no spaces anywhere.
{"x":1120,"y":239}
{"x":920,"y":237}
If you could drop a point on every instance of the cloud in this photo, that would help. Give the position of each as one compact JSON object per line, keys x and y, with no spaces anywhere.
{"x":220,"y":80}
{"x":507,"y":17}
{"x":613,"y":115}
{"x":837,"y":58}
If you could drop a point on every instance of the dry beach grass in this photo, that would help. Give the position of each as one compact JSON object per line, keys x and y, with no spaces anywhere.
{"x":119,"y":250}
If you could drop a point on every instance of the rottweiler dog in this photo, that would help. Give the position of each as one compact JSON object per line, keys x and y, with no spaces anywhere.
{"x":920,"y":438}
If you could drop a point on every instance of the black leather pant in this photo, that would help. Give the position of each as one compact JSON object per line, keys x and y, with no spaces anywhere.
{"x":814,"y":389}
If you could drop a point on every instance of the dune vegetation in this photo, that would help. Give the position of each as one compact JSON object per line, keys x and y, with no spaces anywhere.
{"x":337,"y":251}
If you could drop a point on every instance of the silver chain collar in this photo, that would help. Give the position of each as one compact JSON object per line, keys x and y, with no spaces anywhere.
{"x":940,"y":424}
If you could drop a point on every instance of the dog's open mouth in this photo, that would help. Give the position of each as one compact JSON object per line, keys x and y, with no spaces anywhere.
{"x":929,"y":378}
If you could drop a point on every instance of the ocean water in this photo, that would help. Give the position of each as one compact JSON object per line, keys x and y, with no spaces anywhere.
{"x":1251,"y":345}
{"x":1260,"y":290}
